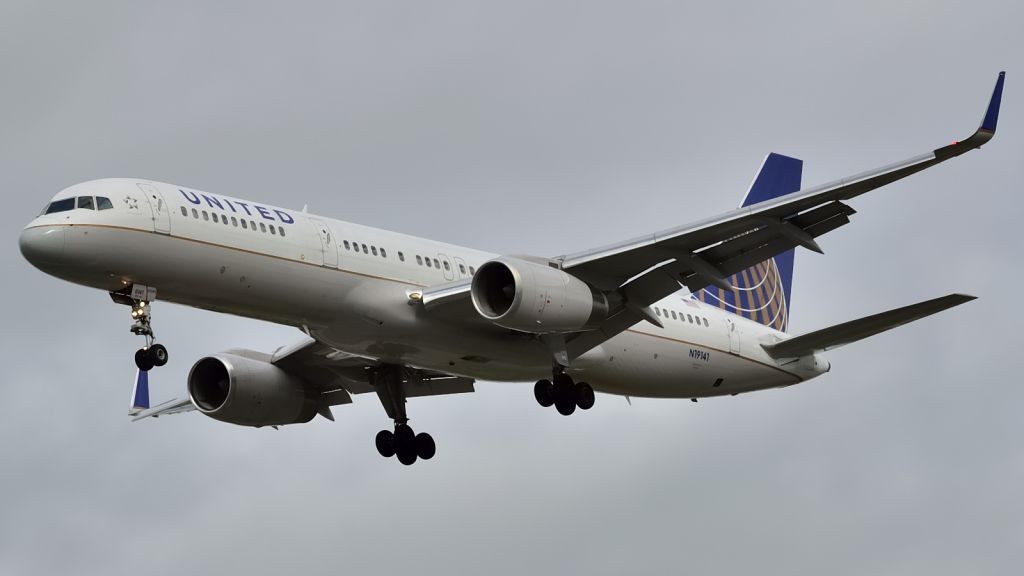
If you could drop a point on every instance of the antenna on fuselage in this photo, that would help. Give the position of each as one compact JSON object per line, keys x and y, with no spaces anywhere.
{"x":304,"y":207}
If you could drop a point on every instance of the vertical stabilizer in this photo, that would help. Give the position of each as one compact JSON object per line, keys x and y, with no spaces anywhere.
{"x":762,"y":292}
{"x":140,"y":393}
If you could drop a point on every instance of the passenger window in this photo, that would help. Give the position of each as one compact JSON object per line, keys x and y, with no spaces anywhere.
{"x":374,"y":250}
{"x":215,"y":218}
{"x":419,"y":260}
{"x":471,"y":271}
{"x":60,"y":206}
{"x":234,"y":222}
{"x":657,"y":311}
{"x":462,"y":269}
{"x":428,"y":262}
{"x":206,"y":216}
{"x":706,"y":323}
{"x":280,"y":230}
{"x":252,"y":225}
{"x":347,"y":245}
{"x":263,"y":227}
{"x":447,"y":266}
{"x":365,"y":251}
{"x":383,"y":254}
{"x":195,"y":214}
{"x":224,"y":220}
{"x":437,"y":264}
{"x":674,"y":315}
{"x":401,"y":257}
{"x":103,"y":203}
{"x":85,"y":202}
{"x":689,"y":319}
{"x":184,"y":211}
{"x":273,"y":230}
{"x":245,"y":225}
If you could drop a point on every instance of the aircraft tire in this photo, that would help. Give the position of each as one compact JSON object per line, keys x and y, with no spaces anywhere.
{"x":565,"y":394}
{"x":544,"y":392}
{"x":385,"y":442}
{"x":158,"y":354}
{"x":584,"y":396}
{"x":405,"y":444}
{"x":143,"y":360}
{"x":425,"y":447}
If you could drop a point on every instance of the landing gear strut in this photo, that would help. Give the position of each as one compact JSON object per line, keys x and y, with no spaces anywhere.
{"x":403,"y":442}
{"x":564,"y":394}
{"x":139,"y":298}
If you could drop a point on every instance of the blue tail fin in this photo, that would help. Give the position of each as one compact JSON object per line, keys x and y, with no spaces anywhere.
{"x":762,"y":291}
{"x":140,"y":393}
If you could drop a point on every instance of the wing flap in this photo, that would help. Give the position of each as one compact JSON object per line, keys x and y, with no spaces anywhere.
{"x":847,"y":332}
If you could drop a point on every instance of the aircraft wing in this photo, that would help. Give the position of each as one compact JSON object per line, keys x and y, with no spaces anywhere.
{"x":336,"y":375}
{"x":176,"y":406}
{"x":709,"y":251}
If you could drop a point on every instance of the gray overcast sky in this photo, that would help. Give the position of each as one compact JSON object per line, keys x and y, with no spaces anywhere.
{"x":529,"y":127}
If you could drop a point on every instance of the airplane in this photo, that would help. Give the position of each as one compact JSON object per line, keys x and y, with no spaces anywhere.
{"x":694,"y":311}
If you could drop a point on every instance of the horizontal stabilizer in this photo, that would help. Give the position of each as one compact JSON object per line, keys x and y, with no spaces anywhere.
{"x":840,"y":334}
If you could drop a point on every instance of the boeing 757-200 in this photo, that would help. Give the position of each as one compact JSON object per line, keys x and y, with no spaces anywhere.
{"x":694,"y":311}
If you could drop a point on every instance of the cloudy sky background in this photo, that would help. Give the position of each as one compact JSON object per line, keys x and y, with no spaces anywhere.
{"x":530,"y":127}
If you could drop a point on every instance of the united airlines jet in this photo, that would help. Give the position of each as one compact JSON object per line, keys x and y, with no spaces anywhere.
{"x":689,"y":312}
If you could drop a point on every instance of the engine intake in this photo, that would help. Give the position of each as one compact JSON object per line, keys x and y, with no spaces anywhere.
{"x":249,"y":391}
{"x":531,"y":296}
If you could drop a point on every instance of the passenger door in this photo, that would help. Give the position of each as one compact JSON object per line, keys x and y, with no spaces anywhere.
{"x":734,"y":336}
{"x":161,"y":214}
{"x":328,"y":241}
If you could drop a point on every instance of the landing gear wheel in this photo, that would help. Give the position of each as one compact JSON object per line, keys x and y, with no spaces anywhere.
{"x":143,"y":360}
{"x":385,"y":441}
{"x":425,"y":447}
{"x":565,"y":394}
{"x":158,"y":353}
{"x":584,"y":396}
{"x":544,"y":392}
{"x":405,"y":444}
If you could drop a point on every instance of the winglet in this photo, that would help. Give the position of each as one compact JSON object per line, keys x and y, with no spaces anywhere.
{"x":140,"y":393}
{"x":984,"y":133}
{"x":992,"y":114}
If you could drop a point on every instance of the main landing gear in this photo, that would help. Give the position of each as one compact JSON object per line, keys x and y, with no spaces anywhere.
{"x":139,"y":298}
{"x":403,"y":443}
{"x":564,"y":394}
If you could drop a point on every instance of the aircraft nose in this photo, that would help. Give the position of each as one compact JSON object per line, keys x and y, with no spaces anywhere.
{"x":42,"y":245}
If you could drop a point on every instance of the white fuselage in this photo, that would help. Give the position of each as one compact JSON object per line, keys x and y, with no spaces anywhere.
{"x":348,"y":286}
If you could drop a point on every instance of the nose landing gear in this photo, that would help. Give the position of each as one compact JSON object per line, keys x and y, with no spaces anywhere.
{"x":140,"y":298}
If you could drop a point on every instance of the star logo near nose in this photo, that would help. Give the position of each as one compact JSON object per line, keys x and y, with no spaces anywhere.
{"x":131,"y":202}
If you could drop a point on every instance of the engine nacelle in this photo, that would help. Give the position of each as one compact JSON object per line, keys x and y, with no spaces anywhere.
{"x":249,"y":392}
{"x":531,"y":296}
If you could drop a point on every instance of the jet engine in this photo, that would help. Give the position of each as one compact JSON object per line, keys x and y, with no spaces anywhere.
{"x":249,"y":392}
{"x":530,"y":296}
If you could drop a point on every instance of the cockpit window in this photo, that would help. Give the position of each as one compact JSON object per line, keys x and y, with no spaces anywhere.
{"x":103,"y":203}
{"x":60,"y":206}
{"x":86,"y":202}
